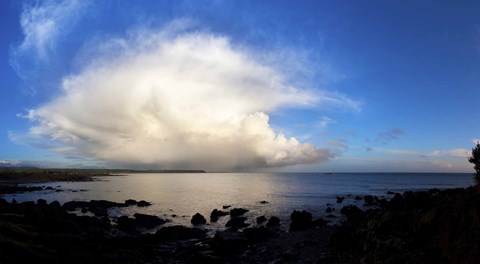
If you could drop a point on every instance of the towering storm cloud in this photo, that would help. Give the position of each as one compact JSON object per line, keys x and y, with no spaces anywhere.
{"x":176,"y":100}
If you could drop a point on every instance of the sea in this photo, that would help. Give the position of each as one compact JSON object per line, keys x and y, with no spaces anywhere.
{"x":178,"y":196}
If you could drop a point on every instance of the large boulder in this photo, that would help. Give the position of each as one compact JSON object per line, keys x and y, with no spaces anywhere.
{"x":237,"y":212}
{"x":126,"y":224}
{"x":215,"y":214}
{"x":148,"y":221}
{"x":273,"y":221}
{"x":301,"y":220}
{"x":198,"y":219}
{"x":237,"y":223}
{"x":143,"y":203}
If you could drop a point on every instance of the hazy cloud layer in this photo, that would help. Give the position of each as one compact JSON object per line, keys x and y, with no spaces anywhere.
{"x":178,"y":99}
{"x":387,"y":136}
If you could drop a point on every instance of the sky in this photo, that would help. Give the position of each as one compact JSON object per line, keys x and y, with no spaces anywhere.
{"x":281,"y":86}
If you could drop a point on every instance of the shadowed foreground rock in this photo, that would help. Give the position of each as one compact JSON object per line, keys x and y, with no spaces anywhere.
{"x":416,"y":227}
{"x":47,"y":233}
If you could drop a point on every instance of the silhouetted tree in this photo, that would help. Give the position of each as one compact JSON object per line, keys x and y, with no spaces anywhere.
{"x":475,"y":159}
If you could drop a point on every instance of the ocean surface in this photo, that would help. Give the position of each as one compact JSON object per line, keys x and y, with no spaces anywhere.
{"x":185,"y":194}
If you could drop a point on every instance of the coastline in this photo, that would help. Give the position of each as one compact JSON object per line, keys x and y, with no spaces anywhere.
{"x":413,"y":227}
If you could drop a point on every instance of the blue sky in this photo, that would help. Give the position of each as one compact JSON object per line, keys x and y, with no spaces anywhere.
{"x":248,"y":85}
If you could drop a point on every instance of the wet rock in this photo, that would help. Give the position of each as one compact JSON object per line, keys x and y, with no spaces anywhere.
{"x":148,"y":221}
{"x":215,"y":214}
{"x":130,"y":202}
{"x":300,"y":220}
{"x":226,"y":206}
{"x":237,"y":212}
{"x":237,"y":222}
{"x":261,"y":219}
{"x":198,"y":219}
{"x":340,"y":199}
{"x":358,"y":198}
{"x":263,"y":202}
{"x":328,"y":210}
{"x":143,"y":203}
{"x":273,"y":221}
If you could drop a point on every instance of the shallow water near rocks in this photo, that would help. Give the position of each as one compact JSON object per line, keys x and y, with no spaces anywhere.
{"x":185,"y":194}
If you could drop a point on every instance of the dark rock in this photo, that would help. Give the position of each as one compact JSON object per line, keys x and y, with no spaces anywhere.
{"x":328,"y":210}
{"x":390,"y":192}
{"x":198,"y":219}
{"x":353,"y":213}
{"x":143,"y":203}
{"x":55,"y":204}
{"x":358,"y":198}
{"x":319,"y":222}
{"x":368,"y":199}
{"x":237,"y":212}
{"x":331,"y":216}
{"x":28,"y":204}
{"x":340,"y":199}
{"x":126,"y":224}
{"x":148,"y":221}
{"x":261,"y":219}
{"x":273,"y":221}
{"x":263,"y":202}
{"x":84,"y":210}
{"x":227,"y":243}
{"x":259,"y":234}
{"x":300,"y":220}
{"x":237,"y":222}
{"x":226,"y":206}
{"x":41,"y":202}
{"x":343,"y":239}
{"x":397,"y":202}
{"x":173,"y":215}
{"x":215,"y":214}
{"x":130,"y":202}
{"x":179,"y":233}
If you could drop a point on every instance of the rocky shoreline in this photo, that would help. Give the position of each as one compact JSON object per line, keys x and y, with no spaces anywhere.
{"x":414,"y":227}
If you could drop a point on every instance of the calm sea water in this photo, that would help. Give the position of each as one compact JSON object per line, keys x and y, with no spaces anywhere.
{"x":186,"y":194}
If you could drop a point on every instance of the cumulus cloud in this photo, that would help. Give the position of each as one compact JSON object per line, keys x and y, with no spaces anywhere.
{"x":178,"y":99}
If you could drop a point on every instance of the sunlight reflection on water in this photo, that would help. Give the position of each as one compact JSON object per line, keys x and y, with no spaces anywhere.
{"x":186,"y":194}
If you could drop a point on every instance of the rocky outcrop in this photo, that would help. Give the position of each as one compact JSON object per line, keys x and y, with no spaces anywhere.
{"x":416,"y":227}
{"x":237,"y":212}
{"x":198,"y":219}
{"x":215,"y":214}
{"x":301,"y":220}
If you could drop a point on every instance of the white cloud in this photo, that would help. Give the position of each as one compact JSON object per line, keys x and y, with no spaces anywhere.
{"x":43,"y":22}
{"x":178,"y":100}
